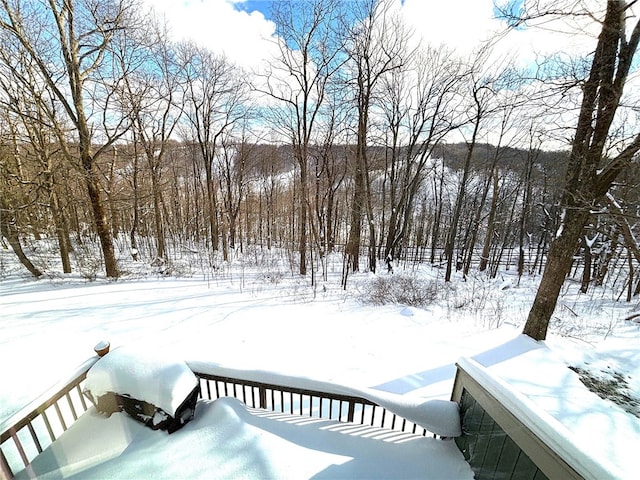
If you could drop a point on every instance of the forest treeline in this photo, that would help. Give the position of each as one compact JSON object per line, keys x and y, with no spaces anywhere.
{"x":355,"y":138}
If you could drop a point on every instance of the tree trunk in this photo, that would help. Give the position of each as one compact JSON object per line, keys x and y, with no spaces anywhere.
{"x":157,"y":216}
{"x":330,"y":237}
{"x":455,"y":219}
{"x":304,"y":193}
{"x":62,"y":232}
{"x":556,"y":269}
{"x":371,"y":222}
{"x":438,"y":193}
{"x":486,"y":248}
{"x":100,"y":218}
{"x":524,"y":214}
{"x":588,"y":180}
{"x":630,"y":283}
{"x":353,"y":244}
{"x":603,"y":260}
{"x":212,"y":209}
{"x":8,"y":230}
{"x":586,"y":270}
{"x":136,"y":215}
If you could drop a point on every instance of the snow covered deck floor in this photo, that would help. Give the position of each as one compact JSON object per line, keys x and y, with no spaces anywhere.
{"x":226,"y":439}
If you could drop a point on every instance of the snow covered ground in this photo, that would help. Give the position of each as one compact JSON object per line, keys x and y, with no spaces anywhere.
{"x":243,"y":319}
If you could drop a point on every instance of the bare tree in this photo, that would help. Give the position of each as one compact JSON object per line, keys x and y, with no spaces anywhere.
{"x":215,"y":102}
{"x":150,"y":93}
{"x":532,"y":155}
{"x":378,"y":45}
{"x":309,"y":46}
{"x":482,"y":95}
{"x":73,"y":61}
{"x":31,"y":106}
{"x":508,"y":124}
{"x":232,"y":166}
{"x":329,"y":168}
{"x":621,"y":221}
{"x":591,"y":169}
{"x":421,"y":108}
{"x":12,"y":201}
{"x":330,"y":171}
{"x":9,"y":231}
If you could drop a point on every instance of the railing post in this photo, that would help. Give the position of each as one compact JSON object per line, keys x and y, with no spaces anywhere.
{"x":352,"y":411}
{"x":5,"y":469}
{"x":18,"y":444}
{"x":263,"y":397}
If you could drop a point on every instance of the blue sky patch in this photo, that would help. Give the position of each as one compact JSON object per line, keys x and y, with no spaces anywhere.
{"x":263,"y":6}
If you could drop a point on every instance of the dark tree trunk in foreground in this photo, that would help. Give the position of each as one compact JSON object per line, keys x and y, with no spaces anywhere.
{"x":557,"y":267}
{"x":590,"y":173}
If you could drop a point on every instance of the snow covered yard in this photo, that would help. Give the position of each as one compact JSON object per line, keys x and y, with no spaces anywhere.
{"x":246,"y":321}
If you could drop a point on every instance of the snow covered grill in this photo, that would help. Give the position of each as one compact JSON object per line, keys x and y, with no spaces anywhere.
{"x":305,"y":402}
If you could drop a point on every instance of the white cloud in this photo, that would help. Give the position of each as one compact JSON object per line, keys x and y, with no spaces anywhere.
{"x":465,"y":24}
{"x":460,"y":25}
{"x":216,"y":24}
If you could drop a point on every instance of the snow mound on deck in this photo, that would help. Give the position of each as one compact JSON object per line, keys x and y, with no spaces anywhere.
{"x":227,"y":440}
{"x":143,"y":375}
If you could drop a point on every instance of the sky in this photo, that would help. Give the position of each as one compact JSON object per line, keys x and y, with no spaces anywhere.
{"x":239,"y":320}
{"x":242,"y":29}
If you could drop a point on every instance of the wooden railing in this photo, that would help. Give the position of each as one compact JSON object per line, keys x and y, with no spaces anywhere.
{"x":26,"y":434}
{"x":305,"y":402}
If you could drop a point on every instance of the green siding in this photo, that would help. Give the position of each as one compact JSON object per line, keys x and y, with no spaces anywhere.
{"x":492,"y":454}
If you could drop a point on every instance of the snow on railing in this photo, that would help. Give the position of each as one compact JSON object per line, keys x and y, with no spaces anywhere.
{"x":304,"y":396}
{"x":542,"y":439}
{"x":305,"y":402}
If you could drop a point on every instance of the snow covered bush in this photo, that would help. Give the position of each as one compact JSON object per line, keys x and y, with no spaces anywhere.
{"x":400,"y":289}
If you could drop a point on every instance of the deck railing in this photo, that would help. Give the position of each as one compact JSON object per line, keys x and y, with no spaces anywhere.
{"x":27,"y":433}
{"x":305,"y":402}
